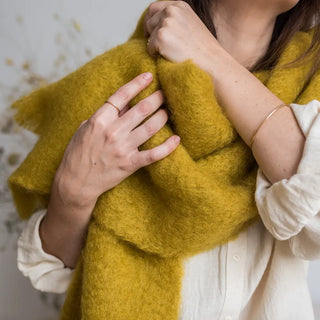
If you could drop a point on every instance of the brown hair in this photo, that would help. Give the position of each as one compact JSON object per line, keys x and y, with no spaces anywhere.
{"x":302,"y":17}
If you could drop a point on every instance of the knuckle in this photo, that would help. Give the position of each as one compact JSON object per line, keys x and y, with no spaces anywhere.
{"x":161,"y":48}
{"x":182,"y":4}
{"x":161,"y":34}
{"x":152,"y":5}
{"x":97,"y":123}
{"x":149,"y":128}
{"x":120,"y":153}
{"x":167,"y":22}
{"x":125,"y":166}
{"x":111,"y":136}
{"x":151,"y":156}
{"x":147,"y":25}
{"x":91,"y":120}
{"x":170,"y":10}
{"x":134,"y":161}
{"x":127,"y":162}
{"x":82,"y":123}
{"x":123,"y":92}
{"x":144,"y":107}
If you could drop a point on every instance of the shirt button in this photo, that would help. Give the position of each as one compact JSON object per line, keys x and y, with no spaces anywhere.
{"x":236,"y":258}
{"x":228,"y":318}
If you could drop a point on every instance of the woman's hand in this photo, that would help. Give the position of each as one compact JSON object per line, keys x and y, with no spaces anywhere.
{"x":177,"y":33}
{"x":104,"y":149}
{"x":102,"y":152}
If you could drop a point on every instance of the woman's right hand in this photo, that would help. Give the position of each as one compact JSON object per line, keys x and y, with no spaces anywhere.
{"x":104,"y":149}
{"x":102,"y":152}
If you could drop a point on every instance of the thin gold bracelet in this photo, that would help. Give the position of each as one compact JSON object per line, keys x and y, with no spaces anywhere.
{"x":268,"y":116}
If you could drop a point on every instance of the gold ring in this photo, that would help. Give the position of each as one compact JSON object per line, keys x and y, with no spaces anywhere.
{"x":113,"y":106}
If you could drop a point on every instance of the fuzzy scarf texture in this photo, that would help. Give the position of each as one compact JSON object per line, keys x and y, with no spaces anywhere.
{"x":197,"y":198}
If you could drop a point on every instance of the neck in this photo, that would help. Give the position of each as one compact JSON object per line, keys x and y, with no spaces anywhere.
{"x":243,"y":29}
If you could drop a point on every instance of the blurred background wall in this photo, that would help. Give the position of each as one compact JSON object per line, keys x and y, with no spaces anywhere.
{"x":40,"y":42}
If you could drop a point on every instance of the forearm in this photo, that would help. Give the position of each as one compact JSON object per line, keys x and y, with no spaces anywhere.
{"x":279,"y":143}
{"x":46,"y":272}
{"x":63,"y":230}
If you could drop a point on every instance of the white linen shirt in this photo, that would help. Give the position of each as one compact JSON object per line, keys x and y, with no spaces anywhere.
{"x":262,"y":275}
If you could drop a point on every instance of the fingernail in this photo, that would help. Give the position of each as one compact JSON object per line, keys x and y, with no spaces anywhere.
{"x":147,"y":75}
{"x":176,"y":139}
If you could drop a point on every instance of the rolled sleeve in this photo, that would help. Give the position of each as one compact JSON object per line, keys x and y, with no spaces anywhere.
{"x":290,"y":208}
{"x":46,"y":272}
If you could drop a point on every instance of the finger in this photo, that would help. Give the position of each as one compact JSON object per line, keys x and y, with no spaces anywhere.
{"x":122,"y":97}
{"x":141,"y":110}
{"x":152,"y":22}
{"x":153,"y":47}
{"x":146,"y":157}
{"x":148,"y":128}
{"x":153,"y":8}
{"x":82,"y":123}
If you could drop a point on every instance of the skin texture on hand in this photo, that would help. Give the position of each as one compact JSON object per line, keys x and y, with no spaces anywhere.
{"x":102,"y":152}
{"x":177,"y":33}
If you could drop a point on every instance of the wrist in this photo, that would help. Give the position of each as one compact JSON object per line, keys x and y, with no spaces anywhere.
{"x":63,"y":234}
{"x":67,"y":193}
{"x":61,"y":242}
{"x":67,"y":216}
{"x":218,"y":61}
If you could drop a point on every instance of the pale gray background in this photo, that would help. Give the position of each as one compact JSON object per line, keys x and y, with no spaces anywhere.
{"x":53,"y":38}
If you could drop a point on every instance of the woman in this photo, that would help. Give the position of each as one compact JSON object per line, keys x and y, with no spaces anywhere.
{"x":261,"y":275}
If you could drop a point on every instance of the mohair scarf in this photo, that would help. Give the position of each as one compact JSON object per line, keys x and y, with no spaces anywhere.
{"x":197,"y":198}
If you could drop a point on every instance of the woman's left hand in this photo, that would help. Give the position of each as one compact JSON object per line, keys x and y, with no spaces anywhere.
{"x":177,"y":33}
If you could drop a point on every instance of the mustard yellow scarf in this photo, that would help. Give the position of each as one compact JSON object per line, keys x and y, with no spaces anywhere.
{"x":199,"y":197}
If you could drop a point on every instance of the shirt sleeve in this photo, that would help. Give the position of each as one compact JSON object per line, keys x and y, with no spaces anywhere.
{"x":46,"y":272}
{"x":290,"y":208}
